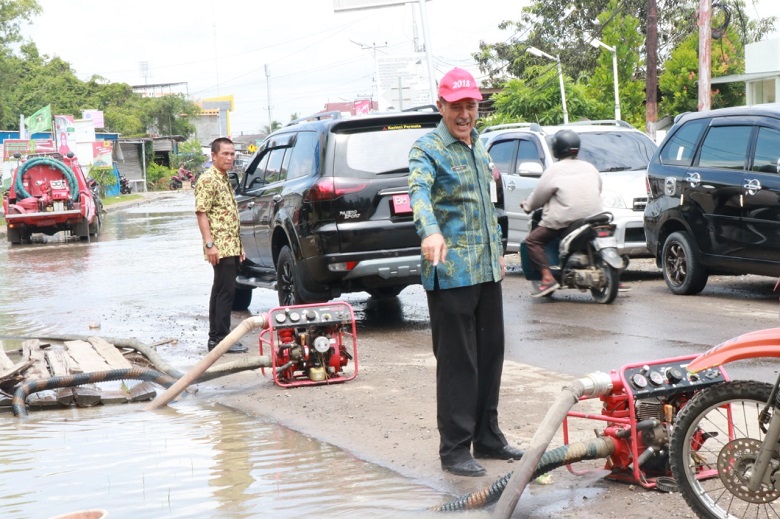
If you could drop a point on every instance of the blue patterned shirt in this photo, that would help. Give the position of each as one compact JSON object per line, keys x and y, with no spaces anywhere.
{"x":449,"y":188}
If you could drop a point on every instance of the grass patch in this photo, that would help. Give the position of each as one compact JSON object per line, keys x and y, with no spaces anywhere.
{"x":111,"y":200}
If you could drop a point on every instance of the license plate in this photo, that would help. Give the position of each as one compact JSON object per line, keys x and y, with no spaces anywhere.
{"x":401,"y":204}
{"x":57,"y":184}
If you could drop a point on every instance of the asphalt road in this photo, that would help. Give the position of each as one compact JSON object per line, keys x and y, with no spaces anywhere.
{"x":147,"y":268}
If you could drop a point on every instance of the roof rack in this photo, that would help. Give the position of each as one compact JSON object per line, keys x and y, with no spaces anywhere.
{"x":601,"y":122}
{"x":316,"y":117}
{"x":531,"y":126}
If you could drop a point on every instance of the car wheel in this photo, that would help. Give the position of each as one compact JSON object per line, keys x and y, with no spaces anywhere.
{"x":683,"y":273}
{"x":241,"y":299}
{"x":384,"y":292}
{"x":286,"y":286}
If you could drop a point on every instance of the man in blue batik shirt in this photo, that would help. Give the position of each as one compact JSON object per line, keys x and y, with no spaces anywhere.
{"x":452,"y":195}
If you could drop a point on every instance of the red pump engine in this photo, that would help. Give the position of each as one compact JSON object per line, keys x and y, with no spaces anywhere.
{"x":311,"y":344}
{"x":640,"y":412}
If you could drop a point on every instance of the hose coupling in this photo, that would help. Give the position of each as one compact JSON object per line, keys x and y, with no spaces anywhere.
{"x":596,"y":384}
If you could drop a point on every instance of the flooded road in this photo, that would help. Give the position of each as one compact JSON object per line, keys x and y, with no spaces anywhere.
{"x":188,"y":461}
{"x":145,"y":278}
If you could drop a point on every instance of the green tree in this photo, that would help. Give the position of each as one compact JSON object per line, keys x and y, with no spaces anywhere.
{"x":275,"y":125}
{"x":538,"y":99}
{"x":167,"y":115}
{"x":190,"y":155}
{"x":679,"y":81}
{"x":12,"y":14}
{"x":623,"y":35}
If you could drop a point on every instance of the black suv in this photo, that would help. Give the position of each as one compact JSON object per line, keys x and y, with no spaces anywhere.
{"x":714,"y":203}
{"x":324,"y":209}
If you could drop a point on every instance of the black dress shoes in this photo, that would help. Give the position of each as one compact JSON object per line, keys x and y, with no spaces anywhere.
{"x":507,"y":452}
{"x":236,"y":348}
{"x":464,"y":468}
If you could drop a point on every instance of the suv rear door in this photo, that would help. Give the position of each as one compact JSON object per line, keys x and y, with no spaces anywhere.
{"x":712,"y":187}
{"x":761,"y":195}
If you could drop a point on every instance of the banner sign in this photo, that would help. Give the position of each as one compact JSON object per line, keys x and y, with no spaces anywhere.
{"x":25,"y":147}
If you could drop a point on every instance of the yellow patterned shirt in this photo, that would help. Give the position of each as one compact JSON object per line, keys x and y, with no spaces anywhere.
{"x":214,"y":196}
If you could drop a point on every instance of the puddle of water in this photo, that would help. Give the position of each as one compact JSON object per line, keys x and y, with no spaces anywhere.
{"x":197,"y":460}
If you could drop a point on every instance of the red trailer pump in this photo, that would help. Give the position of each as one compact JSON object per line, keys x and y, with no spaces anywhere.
{"x":311,"y":344}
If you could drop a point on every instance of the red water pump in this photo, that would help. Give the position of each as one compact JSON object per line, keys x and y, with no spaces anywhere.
{"x":311,"y":344}
{"x":640,"y":412}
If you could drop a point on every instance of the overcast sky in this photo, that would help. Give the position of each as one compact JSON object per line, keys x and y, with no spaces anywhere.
{"x":313,"y":54}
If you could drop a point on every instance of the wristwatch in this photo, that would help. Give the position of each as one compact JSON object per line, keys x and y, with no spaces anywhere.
{"x":209,"y":244}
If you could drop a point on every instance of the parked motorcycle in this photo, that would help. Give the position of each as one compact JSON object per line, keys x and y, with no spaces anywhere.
{"x":124,"y":185}
{"x":724,"y":452}
{"x":585,"y":257}
{"x":181,"y":176}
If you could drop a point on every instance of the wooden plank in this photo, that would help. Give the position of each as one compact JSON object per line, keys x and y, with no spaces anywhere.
{"x":5,"y":362}
{"x":31,"y":349}
{"x":114,"y":397}
{"x":15,"y":373}
{"x":88,"y":395}
{"x":85,"y":357}
{"x":110,"y":353}
{"x":57,"y":361}
{"x":65,"y":396}
{"x":142,"y":392}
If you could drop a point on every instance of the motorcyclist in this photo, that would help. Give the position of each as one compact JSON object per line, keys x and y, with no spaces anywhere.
{"x":568,"y":190}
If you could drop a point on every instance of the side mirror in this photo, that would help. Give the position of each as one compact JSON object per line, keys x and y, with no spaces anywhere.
{"x":530,"y":169}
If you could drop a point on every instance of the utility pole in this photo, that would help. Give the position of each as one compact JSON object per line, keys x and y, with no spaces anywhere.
{"x":651,"y":86}
{"x":373,"y":47}
{"x":268,"y":89}
{"x":705,"y":54}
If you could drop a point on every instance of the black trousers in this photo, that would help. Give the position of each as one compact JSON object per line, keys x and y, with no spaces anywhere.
{"x":223,"y":288}
{"x":467,"y":325}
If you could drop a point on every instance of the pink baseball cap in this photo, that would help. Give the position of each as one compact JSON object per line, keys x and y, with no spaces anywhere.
{"x":458,"y":84}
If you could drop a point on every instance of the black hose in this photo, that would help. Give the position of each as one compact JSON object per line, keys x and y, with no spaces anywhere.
{"x":551,"y":460}
{"x":19,"y":406}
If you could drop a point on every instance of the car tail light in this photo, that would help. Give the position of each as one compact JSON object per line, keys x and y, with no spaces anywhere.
{"x":342,"y":267}
{"x":333,"y":187}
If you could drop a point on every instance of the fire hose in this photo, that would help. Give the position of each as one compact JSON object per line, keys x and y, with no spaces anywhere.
{"x":535,"y":461}
{"x":551,"y":460}
{"x":21,"y":192}
{"x":166,"y":376}
{"x":595,"y":384}
{"x":19,"y":407}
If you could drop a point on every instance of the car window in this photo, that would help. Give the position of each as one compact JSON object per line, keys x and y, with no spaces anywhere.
{"x":767,"y":156}
{"x":305,"y":157}
{"x":616,"y":151}
{"x":527,"y":152}
{"x":254,"y":174}
{"x":274,"y":170}
{"x":680,"y":148}
{"x":725,"y":147}
{"x":380,"y":150}
{"x":502,"y":154}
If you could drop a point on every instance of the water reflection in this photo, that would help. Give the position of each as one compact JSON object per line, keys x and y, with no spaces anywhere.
{"x":197,"y":460}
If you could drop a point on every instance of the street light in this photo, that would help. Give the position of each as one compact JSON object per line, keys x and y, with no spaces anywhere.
{"x":598,"y":43}
{"x":540,"y":54}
